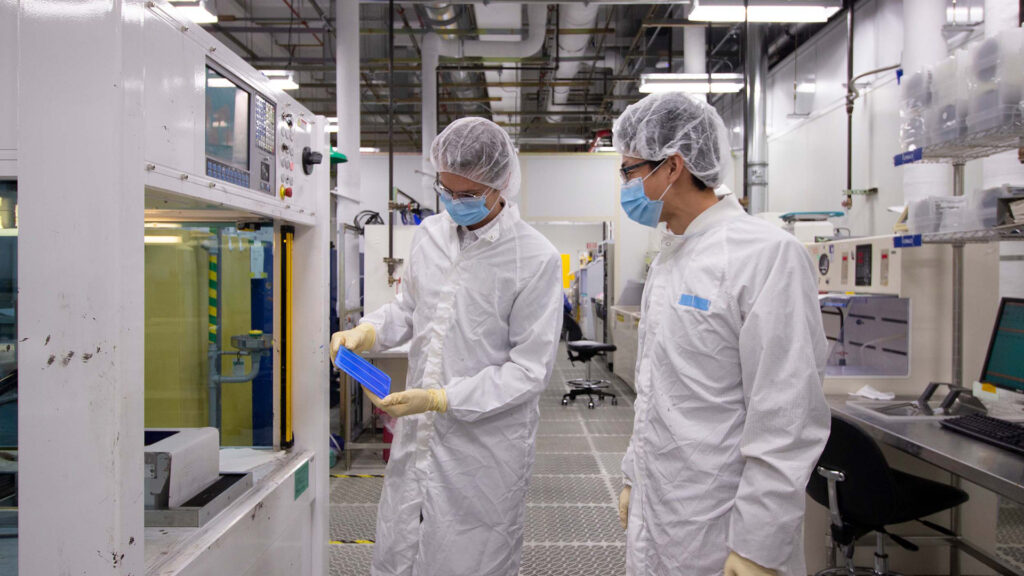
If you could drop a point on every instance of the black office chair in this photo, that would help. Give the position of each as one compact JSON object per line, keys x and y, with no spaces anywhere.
{"x":864,"y":495}
{"x":581,"y":350}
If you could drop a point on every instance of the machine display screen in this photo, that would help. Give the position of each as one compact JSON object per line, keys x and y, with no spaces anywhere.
{"x":863,"y":268}
{"x":227,"y":121}
{"x":1004,"y":366}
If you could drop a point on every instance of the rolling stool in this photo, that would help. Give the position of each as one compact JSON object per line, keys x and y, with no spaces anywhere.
{"x":864,"y":495}
{"x":581,"y":350}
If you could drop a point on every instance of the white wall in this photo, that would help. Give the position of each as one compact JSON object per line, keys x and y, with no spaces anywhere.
{"x":556,"y":187}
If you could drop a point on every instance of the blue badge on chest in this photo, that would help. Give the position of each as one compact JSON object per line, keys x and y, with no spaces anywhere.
{"x":691,"y":301}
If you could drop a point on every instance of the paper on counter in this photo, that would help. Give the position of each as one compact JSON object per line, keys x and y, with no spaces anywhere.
{"x":871,"y":393}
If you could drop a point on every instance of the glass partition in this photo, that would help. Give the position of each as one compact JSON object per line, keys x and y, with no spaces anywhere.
{"x":209,"y":318}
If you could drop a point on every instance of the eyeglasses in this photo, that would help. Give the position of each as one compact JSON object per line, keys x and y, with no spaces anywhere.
{"x":443,"y":190}
{"x":625,"y":171}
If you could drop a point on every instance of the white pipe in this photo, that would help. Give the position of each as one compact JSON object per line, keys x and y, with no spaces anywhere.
{"x":430,"y":51}
{"x":695,"y":51}
{"x":538,"y":15}
{"x":695,"y":58}
{"x":347,"y":89}
{"x":571,"y":45}
{"x":924,"y":45}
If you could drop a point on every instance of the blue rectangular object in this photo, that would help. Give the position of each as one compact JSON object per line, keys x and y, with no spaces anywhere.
{"x":906,"y":241}
{"x":363,"y":372}
{"x":695,"y":302}
{"x":908,"y":157}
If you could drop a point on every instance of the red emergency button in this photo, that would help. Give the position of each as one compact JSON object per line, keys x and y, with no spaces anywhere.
{"x":288,"y":192}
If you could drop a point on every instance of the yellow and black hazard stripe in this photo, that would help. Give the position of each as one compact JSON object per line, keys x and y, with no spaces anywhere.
{"x":339,"y":542}
{"x":357,"y":475}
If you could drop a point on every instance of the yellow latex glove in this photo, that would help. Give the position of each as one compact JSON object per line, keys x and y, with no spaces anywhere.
{"x":374,"y":399}
{"x":358,"y":339}
{"x":736,"y":565}
{"x":415,"y":401}
{"x":624,"y":506}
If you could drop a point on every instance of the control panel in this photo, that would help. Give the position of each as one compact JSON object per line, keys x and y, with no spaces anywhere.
{"x":265,"y":135}
{"x":859,"y":265}
{"x":286,"y":154}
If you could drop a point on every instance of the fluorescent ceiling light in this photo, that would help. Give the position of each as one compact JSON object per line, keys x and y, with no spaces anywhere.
{"x":691,"y":83}
{"x":369,"y":149}
{"x":163,"y":225}
{"x":606,"y":149}
{"x":332,"y":119}
{"x":219,"y":83}
{"x":281,"y":79}
{"x":790,"y":13}
{"x":552,"y":140}
{"x":284,"y":84}
{"x":162,"y":239}
{"x":194,"y":10}
{"x":721,"y":11}
{"x":806,"y":88}
{"x":332,"y":128}
{"x":764,"y":10}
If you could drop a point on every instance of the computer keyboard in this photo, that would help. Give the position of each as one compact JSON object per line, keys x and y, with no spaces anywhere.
{"x":988,"y":429}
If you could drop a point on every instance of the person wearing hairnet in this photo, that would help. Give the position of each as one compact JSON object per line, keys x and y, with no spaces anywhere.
{"x":730,"y":412}
{"x":481,"y":306}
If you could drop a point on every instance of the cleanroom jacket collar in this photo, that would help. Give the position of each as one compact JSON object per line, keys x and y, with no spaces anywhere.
{"x":725,"y":209}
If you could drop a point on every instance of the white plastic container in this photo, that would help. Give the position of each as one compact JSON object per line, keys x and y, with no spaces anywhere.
{"x":996,"y":80}
{"x":946,"y":119}
{"x":922,"y":217}
{"x":983,"y":208}
{"x":915,"y":106}
{"x":939,"y":214}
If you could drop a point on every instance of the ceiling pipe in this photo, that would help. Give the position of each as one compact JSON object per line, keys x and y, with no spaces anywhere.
{"x":576,"y":15}
{"x":535,"y":34}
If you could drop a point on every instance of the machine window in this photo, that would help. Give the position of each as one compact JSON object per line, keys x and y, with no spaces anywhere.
{"x":209,"y":317}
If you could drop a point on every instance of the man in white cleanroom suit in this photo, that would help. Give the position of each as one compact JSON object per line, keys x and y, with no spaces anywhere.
{"x":730,"y":412}
{"x":481,"y":305}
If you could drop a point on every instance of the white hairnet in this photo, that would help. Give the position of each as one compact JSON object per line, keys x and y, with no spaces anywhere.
{"x":480,"y":150}
{"x":667,"y":123}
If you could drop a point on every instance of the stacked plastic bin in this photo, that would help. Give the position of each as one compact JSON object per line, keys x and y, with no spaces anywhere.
{"x":973,"y":91}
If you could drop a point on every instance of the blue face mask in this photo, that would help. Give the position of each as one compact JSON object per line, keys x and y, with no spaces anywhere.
{"x":466,"y":212}
{"x":637,"y":205}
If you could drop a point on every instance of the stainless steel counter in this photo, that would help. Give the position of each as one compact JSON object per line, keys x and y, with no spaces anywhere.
{"x":995,"y":469}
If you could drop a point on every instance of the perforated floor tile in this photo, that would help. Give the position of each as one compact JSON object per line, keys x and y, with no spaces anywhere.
{"x":609,"y":427}
{"x":566,"y":464}
{"x":568,"y":490}
{"x":560,"y":428}
{"x":350,"y":559}
{"x":356,"y":490}
{"x":573,"y":524}
{"x":350,"y":522}
{"x":1010,"y":526}
{"x":610,"y":443}
{"x":572,"y":560}
{"x":1012,"y":555}
{"x":611,"y":465}
{"x":562,"y":444}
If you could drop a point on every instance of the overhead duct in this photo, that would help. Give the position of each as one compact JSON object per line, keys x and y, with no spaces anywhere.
{"x":571,"y":46}
{"x":435,"y":46}
{"x":536,"y":31}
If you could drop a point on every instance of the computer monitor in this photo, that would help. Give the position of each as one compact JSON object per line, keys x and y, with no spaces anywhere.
{"x":1004,"y":364}
{"x":240,"y":132}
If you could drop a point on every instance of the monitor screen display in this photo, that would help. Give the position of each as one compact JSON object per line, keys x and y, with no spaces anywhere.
{"x":227,"y":121}
{"x":1004,"y":366}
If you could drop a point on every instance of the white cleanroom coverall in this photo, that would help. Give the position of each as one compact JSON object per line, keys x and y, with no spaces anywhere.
{"x":730,"y":412}
{"x":484,"y":324}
